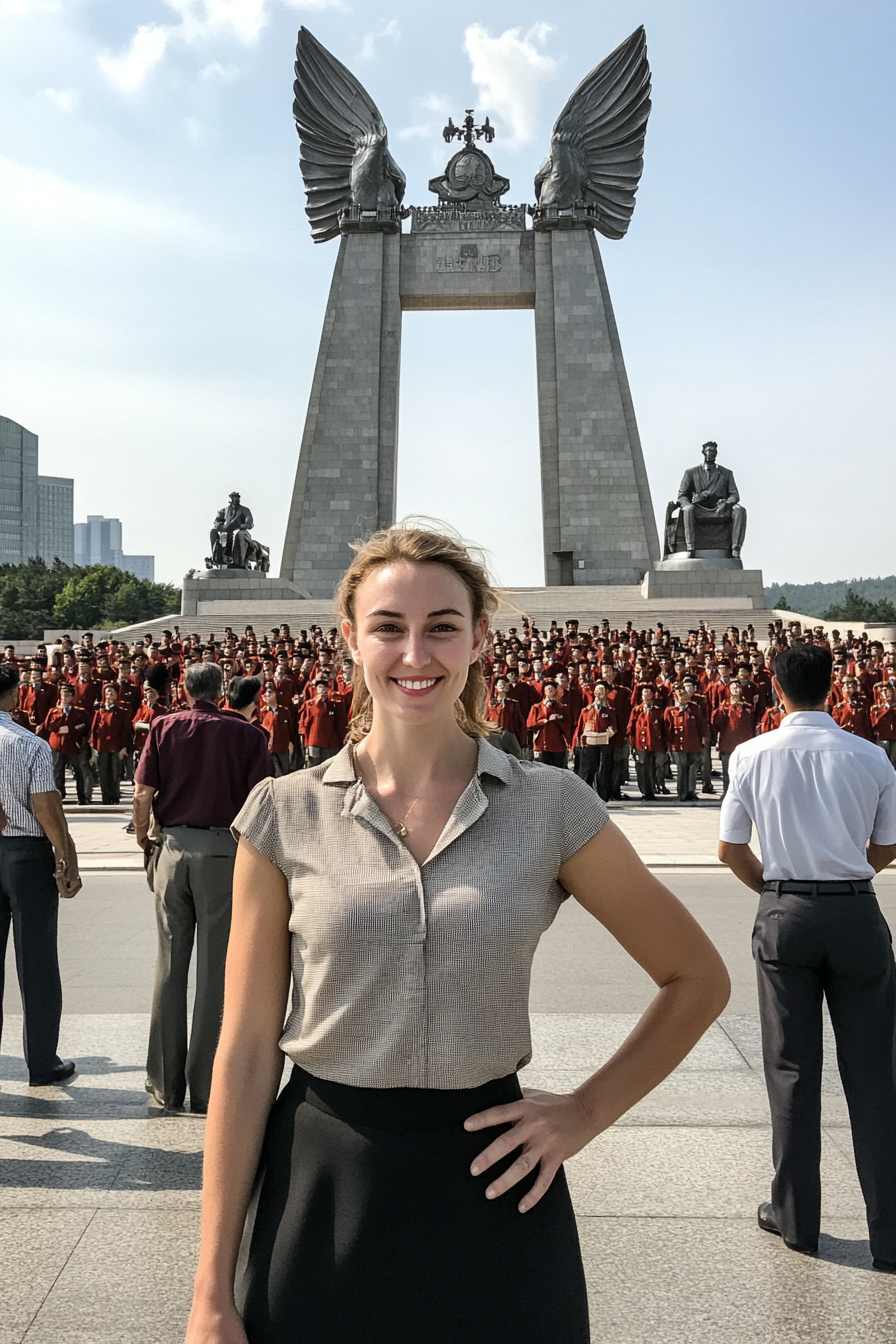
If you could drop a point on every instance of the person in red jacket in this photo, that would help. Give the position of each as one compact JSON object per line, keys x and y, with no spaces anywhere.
{"x":66,"y":728}
{"x":276,"y":720}
{"x":110,"y":737}
{"x":550,"y":725}
{"x":593,"y":739}
{"x":321,"y":724}
{"x":88,"y":689}
{"x":619,"y":698}
{"x":771,"y":719}
{"x":883,"y":721}
{"x":153,"y":708}
{"x":38,"y":699}
{"x":851,"y":713}
{"x":647,"y":734}
{"x":686,"y":734}
{"x":733,"y":724}
{"x":507,"y":717}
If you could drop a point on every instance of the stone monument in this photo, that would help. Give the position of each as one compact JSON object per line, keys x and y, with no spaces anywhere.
{"x":472,"y":251}
{"x":235,"y":580}
{"x":232,"y":545}
{"x":705,"y":527}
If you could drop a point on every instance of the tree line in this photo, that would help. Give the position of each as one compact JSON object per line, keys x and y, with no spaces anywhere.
{"x":35,"y":597}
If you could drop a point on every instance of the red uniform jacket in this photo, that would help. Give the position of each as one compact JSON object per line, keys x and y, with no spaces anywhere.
{"x":686,"y":727}
{"x":771,"y":720}
{"x":509,"y":718}
{"x":277,"y":723}
{"x":87,"y":694}
{"x":78,"y":723}
{"x":595,"y":719}
{"x":551,"y":727}
{"x":883,"y":721}
{"x":37,"y":702}
{"x":647,"y":728}
{"x":751,"y":695}
{"x":143,"y":720}
{"x":111,"y":729}
{"x":854,"y":719}
{"x":620,"y":699}
{"x":320,"y":723}
{"x":734,"y":724}
{"x":130,"y":697}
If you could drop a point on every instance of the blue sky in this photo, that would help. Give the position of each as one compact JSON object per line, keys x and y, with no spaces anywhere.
{"x":162,"y":299}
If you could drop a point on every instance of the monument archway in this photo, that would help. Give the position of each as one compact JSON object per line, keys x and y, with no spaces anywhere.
{"x":468,"y":432}
{"x":472,"y":252}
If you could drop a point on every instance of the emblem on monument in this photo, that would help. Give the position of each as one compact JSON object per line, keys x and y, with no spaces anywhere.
{"x":470,"y":177}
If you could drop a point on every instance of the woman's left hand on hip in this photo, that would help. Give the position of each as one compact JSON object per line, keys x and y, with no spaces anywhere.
{"x":547,"y":1128}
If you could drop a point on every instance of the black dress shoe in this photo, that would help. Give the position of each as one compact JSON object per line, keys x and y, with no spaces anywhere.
{"x":884,"y":1266}
{"x":160,"y":1100}
{"x":60,"y":1073}
{"x":767,"y":1221}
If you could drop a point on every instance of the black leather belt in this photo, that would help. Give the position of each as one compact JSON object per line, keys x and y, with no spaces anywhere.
{"x":846,"y":888}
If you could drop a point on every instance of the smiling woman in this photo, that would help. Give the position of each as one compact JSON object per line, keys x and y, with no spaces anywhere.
{"x":404,"y":886}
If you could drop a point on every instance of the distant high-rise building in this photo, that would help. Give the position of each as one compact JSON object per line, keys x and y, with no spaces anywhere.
{"x":141,"y":566}
{"x":56,"y":519}
{"x":18,"y":493}
{"x":98,"y":542}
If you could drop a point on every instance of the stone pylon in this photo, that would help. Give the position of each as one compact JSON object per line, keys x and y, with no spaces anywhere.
{"x":345,"y":482}
{"x":598,"y":520}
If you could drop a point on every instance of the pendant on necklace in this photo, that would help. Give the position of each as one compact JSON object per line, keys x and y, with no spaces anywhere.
{"x":400,"y":830}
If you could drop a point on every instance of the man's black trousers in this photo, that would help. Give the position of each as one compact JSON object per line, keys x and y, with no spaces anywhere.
{"x":29,"y":900}
{"x":810,"y":945}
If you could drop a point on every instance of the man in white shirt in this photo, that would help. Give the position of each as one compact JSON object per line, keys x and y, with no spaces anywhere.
{"x":824,"y":805}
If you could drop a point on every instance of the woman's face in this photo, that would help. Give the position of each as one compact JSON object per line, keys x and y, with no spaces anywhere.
{"x":415,"y":639}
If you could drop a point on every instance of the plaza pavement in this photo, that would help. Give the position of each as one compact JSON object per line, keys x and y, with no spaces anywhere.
{"x":99,"y":1192}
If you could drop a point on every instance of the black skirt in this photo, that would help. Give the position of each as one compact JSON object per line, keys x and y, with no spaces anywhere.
{"x":366,"y":1227}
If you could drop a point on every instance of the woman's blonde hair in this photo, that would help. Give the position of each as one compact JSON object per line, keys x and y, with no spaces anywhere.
{"x":418,"y":545}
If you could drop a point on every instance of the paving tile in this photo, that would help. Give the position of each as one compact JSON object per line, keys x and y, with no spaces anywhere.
{"x":129,"y":1281}
{"x":711,"y":1172}
{"x":723,"y":1281}
{"x":586,"y":1040}
{"x":34,"y":1246}
{"x":102,"y":1163}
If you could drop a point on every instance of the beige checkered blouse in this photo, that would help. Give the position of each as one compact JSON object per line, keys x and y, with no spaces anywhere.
{"x":408,"y":976}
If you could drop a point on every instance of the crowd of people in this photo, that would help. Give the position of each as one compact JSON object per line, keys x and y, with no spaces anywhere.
{"x":594,"y":700}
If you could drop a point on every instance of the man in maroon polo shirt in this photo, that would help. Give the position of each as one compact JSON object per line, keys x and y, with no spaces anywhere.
{"x":194,"y":775}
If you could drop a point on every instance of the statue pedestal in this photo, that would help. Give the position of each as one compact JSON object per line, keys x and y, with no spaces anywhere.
{"x":693,"y":580}
{"x":236,"y":585}
{"x":701,"y":560}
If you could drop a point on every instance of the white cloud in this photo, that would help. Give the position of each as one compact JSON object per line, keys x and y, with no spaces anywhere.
{"x":43,"y":200}
{"x":425,"y":126}
{"x":509,"y":71}
{"x":129,"y":70}
{"x":26,"y":9}
{"x":226,"y":74}
{"x":368,"y":46}
{"x":202,"y":19}
{"x":64,"y":100}
{"x":199,"y":21}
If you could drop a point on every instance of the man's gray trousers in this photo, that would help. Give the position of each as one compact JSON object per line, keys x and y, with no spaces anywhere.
{"x":822,"y":943}
{"x":193,"y":887}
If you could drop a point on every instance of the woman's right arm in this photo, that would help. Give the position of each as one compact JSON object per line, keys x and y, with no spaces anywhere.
{"x":247,"y":1072}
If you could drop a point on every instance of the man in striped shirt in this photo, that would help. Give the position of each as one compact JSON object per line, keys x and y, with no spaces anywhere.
{"x":38,"y":864}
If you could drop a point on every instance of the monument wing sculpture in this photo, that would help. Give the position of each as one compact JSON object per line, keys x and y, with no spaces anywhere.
{"x":597,"y":144}
{"x":345,"y":158}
